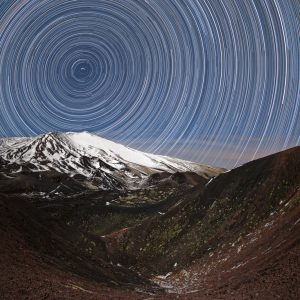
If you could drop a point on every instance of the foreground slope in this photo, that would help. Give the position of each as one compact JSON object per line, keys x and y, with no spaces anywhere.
{"x":41,"y":258}
{"x":241,"y":233}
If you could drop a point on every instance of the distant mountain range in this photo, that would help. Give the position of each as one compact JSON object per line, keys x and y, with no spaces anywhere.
{"x":95,"y":162}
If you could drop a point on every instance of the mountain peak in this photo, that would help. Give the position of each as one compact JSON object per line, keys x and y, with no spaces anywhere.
{"x":88,"y":154}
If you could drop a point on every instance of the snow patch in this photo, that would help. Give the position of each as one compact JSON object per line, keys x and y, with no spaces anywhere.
{"x":164,"y":276}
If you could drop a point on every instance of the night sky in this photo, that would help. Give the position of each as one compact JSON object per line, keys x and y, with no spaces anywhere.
{"x":215,"y":81}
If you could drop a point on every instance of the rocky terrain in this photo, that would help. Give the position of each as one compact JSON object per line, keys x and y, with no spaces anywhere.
{"x":107,"y":227}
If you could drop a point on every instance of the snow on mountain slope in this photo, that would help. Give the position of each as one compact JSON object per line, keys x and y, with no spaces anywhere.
{"x":92,"y":156}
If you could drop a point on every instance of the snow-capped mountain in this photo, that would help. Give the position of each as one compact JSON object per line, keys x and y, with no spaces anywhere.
{"x":91,"y":157}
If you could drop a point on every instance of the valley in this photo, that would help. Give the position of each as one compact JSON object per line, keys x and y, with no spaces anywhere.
{"x":91,"y":220}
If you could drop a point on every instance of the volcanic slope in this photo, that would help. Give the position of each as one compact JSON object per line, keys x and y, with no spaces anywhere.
{"x":237,"y":238}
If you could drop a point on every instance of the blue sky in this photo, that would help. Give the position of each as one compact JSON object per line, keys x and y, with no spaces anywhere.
{"x":210,"y":81}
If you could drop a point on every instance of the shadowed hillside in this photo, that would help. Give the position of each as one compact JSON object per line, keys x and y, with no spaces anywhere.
{"x":234,"y":210}
{"x":42,"y":258}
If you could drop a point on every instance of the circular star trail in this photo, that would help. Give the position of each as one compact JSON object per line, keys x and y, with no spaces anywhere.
{"x":211,"y":81}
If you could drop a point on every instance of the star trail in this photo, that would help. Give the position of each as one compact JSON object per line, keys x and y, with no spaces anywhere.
{"x":210,"y":81}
